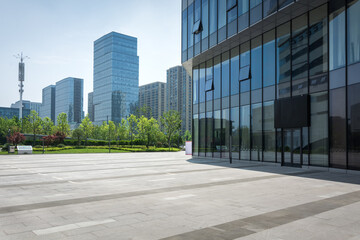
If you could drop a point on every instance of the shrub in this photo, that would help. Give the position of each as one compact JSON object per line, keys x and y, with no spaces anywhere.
{"x":5,"y":147}
{"x":61,"y":145}
{"x":16,"y":138}
{"x":37,"y":146}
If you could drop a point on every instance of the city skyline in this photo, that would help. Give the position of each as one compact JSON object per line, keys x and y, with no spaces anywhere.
{"x":58,"y":49}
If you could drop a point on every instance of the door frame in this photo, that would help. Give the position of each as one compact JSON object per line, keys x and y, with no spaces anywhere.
{"x":291,"y":164}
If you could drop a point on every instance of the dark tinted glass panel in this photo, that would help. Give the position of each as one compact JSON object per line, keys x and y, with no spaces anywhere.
{"x":225,"y":133}
{"x":319,"y":129}
{"x":243,"y":22}
{"x":213,"y":16}
{"x":338,"y":128}
{"x":256,"y":63}
{"x":244,"y":73}
{"x":243,"y":6}
{"x":217,"y":78}
{"x":284,"y":3}
{"x":197,"y":12}
{"x":202,"y":83}
{"x":234,"y":71}
{"x":197,"y":27}
{"x":190,"y":25}
{"x":255,"y":13}
{"x":230,"y":4}
{"x":232,"y":15}
{"x":269,"y":59}
{"x":205,"y":19}
{"x":245,"y":54}
{"x":235,"y":133}
{"x":270,"y":6}
{"x":353,"y":19}
{"x":221,"y":13}
{"x":269,"y":132}
{"x":202,"y":137}
{"x":337,"y":34}
{"x":195,"y":137}
{"x":318,"y":41}
{"x":184,"y":30}
{"x":337,"y":78}
{"x":254,"y":3}
{"x":299,"y":47}
{"x":245,"y":132}
{"x":354,"y":126}
{"x":225,"y":74}
{"x":217,"y":133}
{"x":245,"y":86}
{"x":195,"y":85}
{"x":209,"y":134}
{"x":256,"y":131}
{"x":209,"y":84}
{"x":354,"y":73}
{"x":283,"y":60}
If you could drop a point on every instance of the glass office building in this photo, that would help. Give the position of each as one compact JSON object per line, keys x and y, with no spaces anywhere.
{"x":275,"y":80}
{"x":48,"y":102}
{"x":116,"y":77}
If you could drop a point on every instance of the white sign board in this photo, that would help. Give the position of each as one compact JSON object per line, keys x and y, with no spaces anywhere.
{"x":24,"y":149}
{"x":188,"y":148}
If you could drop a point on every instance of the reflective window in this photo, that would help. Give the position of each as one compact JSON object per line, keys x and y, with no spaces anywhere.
{"x":225,"y":134}
{"x":202,"y":137}
{"x":225,"y":74}
{"x":213,"y":16}
{"x":184,"y":30}
{"x":195,"y":137}
{"x":234,"y":71}
{"x":353,"y":30}
{"x":235,"y":133}
{"x":209,"y":134}
{"x":299,"y":48}
{"x":269,"y":6}
{"x":217,"y":133}
{"x":245,"y":54}
{"x":190,"y":25}
{"x":283,"y":60}
{"x":245,"y":73}
{"x":337,"y":34}
{"x":222,"y":13}
{"x":195,"y":85}
{"x":205,"y":19}
{"x":256,"y":132}
{"x":245,"y":132}
{"x":255,"y":11}
{"x":217,"y":78}
{"x":197,"y":11}
{"x":230,"y":4}
{"x":209,"y":84}
{"x":256,"y":63}
{"x":245,"y":86}
{"x":338,"y":128}
{"x":202,"y":82}
{"x":269,"y":132}
{"x":354,"y":126}
{"x":319,"y":129}
{"x":269,"y":59}
{"x":243,"y":6}
{"x":284,"y":3}
{"x":197,"y":28}
{"x":318,"y":41}
{"x":254,"y":3}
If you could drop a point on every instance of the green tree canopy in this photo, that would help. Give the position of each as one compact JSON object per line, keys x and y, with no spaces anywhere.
{"x":63,"y":124}
{"x":171,"y":122}
{"x":47,"y":126}
{"x":86,"y":127}
{"x":132,"y":121}
{"x":148,"y":130}
{"x":35,"y":123}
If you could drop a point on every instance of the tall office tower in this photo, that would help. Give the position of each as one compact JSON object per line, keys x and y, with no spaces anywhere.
{"x":91,"y":106}
{"x":153,"y":96}
{"x":275,"y":81}
{"x":28,"y":105}
{"x":116,"y":77}
{"x":178,"y":95}
{"x":69,"y":99}
{"x":48,"y":102}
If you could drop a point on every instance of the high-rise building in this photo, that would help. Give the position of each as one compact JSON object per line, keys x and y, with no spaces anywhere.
{"x":116,"y":77}
{"x":152,"y":96}
{"x":69,"y":99}
{"x":28,"y":105}
{"x":13,"y":112}
{"x":91,"y":106}
{"x":48,"y":102}
{"x":275,"y":81}
{"x":178,"y":95}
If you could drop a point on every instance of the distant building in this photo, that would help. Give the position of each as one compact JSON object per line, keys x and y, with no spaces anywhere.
{"x":27,"y":105}
{"x":48,"y":102}
{"x":69,"y":99}
{"x":178,"y":95}
{"x":11,"y":112}
{"x":116,"y":77}
{"x":153,"y":96}
{"x":91,"y":106}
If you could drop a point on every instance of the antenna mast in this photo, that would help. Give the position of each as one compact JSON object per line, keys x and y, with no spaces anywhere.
{"x":21,"y":80}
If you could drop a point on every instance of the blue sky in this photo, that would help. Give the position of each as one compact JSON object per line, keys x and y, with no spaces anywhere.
{"x":58,"y":37}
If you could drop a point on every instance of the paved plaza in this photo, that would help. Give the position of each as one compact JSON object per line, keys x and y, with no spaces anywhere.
{"x":172,"y":196}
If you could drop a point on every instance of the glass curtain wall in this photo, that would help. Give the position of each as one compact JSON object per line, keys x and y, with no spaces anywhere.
{"x":354,"y":126}
{"x":202,"y":137}
{"x":269,"y":59}
{"x":245,"y":132}
{"x":283,"y":60}
{"x":256,"y":132}
{"x":225,"y":138}
{"x":353,"y":32}
{"x":235,"y":133}
{"x":243,"y":14}
{"x":195,"y":135}
{"x":234,"y":66}
{"x":256,"y":63}
{"x":217,"y":134}
{"x":269,"y":132}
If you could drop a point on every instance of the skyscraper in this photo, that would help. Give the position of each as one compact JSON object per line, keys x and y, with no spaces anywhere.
{"x":91,"y":106}
{"x":48,"y":102}
{"x":69,"y":99}
{"x":152,"y":95}
{"x":116,"y":77}
{"x":178,"y":95}
{"x":28,"y":105}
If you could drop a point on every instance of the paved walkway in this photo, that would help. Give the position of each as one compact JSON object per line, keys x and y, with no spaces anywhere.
{"x":171,"y":196}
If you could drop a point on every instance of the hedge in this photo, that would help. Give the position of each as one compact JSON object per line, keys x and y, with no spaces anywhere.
{"x":74,"y":142}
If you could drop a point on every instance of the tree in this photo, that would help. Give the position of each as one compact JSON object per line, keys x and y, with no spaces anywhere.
{"x":148,"y":129}
{"x":16,"y":138}
{"x":171,"y":123}
{"x":111,"y":131}
{"x":63,"y":124}
{"x":187,"y":136}
{"x":86,"y":127}
{"x":50,"y":139}
{"x":47,"y":126}
{"x":35,"y":123}
{"x":122,"y":129}
{"x":60,"y":136}
{"x":132,"y":120}
{"x":78,"y":134}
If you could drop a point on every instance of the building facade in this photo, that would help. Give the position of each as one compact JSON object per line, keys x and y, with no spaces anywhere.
{"x":91,"y":106}
{"x":116,"y":77}
{"x":69,"y":99}
{"x":178,"y":95}
{"x":153,"y":97}
{"x":12,"y":112}
{"x":48,"y":102}
{"x":27,"y":105}
{"x":275,"y":81}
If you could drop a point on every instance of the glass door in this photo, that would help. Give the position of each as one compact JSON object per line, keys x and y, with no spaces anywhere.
{"x":292,"y":147}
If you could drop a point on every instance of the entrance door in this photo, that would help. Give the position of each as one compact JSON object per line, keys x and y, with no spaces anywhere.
{"x":292,"y":147}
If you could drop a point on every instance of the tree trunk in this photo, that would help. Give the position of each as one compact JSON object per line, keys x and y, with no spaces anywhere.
{"x":34,"y":139}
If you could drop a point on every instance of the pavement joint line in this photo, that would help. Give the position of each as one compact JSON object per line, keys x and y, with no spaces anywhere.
{"x":250,"y":225}
{"x":179,"y":197}
{"x":122,"y":176}
{"x":57,"y":203}
{"x":162,"y":179}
